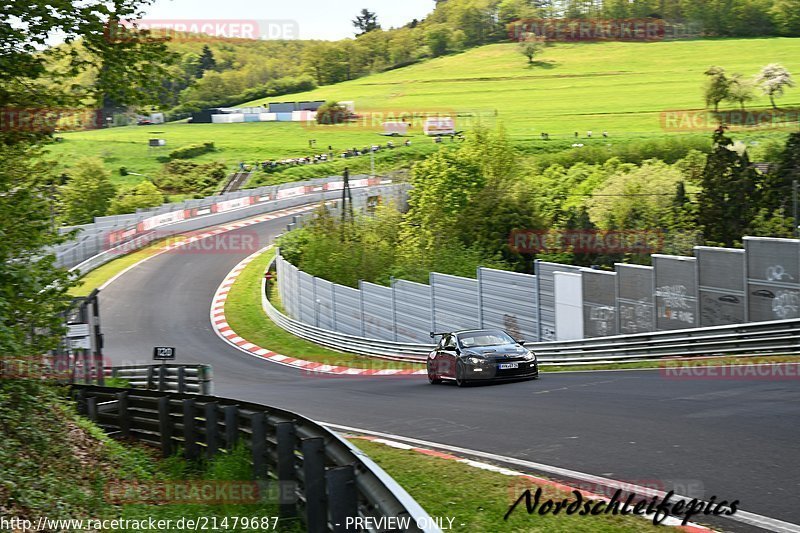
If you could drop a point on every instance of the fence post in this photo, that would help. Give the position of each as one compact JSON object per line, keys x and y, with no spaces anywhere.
{"x":182,"y":379}
{"x":165,"y":426}
{"x":124,"y":420}
{"x":432,"y":291}
{"x":231,"y":413}
{"x":313,"y":450}
{"x":91,"y":408}
{"x":342,"y":496}
{"x":212,"y":429}
{"x":189,"y":430}
{"x":162,"y":377}
{"x":205,"y":378}
{"x":258,"y":444}
{"x":285,"y":435}
{"x":394,"y":309}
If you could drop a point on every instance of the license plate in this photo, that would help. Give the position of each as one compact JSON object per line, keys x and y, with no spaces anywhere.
{"x":505,"y":366}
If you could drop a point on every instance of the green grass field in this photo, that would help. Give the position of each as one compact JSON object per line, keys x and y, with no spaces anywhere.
{"x":620,"y":87}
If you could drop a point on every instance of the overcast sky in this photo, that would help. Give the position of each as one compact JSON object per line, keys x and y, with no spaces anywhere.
{"x":315,"y":19}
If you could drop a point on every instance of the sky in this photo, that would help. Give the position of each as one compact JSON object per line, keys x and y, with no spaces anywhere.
{"x":312,"y":19}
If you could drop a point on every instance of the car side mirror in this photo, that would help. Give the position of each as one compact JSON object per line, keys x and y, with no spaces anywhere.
{"x":521,"y":342}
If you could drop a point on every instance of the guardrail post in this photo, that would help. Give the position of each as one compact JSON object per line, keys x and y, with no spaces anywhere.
{"x":165,"y":426}
{"x":91,"y":408}
{"x":182,"y":379}
{"x":162,"y":378}
{"x":123,"y":419}
{"x":285,"y":435}
{"x":231,"y":413}
{"x":212,"y":429}
{"x":342,"y":496}
{"x":314,"y":484}
{"x":258,"y":443}
{"x":189,"y":430}
{"x":150,"y":371}
{"x":205,"y":378}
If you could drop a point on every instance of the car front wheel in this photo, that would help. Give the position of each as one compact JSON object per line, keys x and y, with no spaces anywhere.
{"x":432,"y":377}
{"x":461,"y":375}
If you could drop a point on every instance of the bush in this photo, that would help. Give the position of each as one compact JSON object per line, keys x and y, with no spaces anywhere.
{"x":332,"y":113}
{"x":192,"y":150}
{"x":188,"y":177}
{"x":277,"y":87}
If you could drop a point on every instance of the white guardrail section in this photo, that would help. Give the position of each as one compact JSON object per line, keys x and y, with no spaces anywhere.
{"x":770,"y":337}
{"x":108,"y":241}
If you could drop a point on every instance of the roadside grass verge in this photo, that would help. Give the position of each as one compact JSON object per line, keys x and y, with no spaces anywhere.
{"x":97,"y":277}
{"x":478,"y":499}
{"x":246,"y":317}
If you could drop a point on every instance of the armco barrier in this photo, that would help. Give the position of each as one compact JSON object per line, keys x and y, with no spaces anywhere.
{"x":717,"y":287}
{"x":93,"y":242}
{"x":167,"y":377}
{"x":771,"y":337}
{"x":137,"y":237}
{"x":321,"y":478}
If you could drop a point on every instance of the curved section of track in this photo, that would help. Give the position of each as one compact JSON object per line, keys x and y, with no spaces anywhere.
{"x":732,"y":439}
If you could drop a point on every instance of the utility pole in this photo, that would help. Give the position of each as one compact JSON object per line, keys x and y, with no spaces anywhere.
{"x":347,"y":199}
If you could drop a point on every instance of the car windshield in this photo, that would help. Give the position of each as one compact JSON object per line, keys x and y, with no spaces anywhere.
{"x":492,"y":337}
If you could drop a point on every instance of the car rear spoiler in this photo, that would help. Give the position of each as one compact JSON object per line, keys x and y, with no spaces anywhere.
{"x":434,"y":334}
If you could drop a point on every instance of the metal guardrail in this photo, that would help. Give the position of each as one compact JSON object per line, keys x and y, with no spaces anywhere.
{"x":779,"y":336}
{"x":328,"y":479}
{"x":339,"y":341}
{"x":196,"y":379}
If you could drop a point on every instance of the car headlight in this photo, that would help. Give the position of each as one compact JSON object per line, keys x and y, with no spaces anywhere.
{"x":475,"y":360}
{"x":530,"y":356}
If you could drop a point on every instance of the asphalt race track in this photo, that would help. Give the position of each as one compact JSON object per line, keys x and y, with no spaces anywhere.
{"x":730,"y":439}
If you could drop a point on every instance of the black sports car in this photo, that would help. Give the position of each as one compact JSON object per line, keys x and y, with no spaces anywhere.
{"x":480,"y":355}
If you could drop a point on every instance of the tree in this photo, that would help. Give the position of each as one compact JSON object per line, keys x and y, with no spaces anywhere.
{"x":728,"y":200}
{"x":207,"y":61}
{"x":773,"y":80}
{"x":88,"y":192}
{"x":530,"y":45}
{"x":130,"y":64}
{"x":740,"y":90}
{"x":366,"y":21}
{"x":143,"y":195}
{"x":33,"y":291}
{"x":786,"y":14}
{"x":438,"y":40}
{"x":717,"y":86}
{"x":777,"y":190}
{"x":332,"y":113}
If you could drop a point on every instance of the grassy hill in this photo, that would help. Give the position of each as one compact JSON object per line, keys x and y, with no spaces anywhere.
{"x":619,"y":87}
